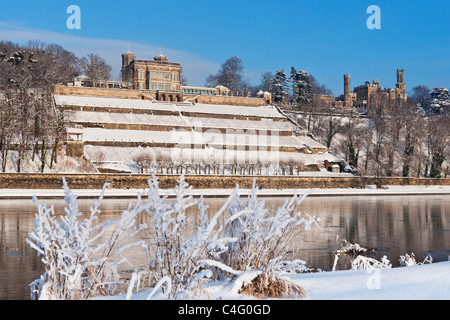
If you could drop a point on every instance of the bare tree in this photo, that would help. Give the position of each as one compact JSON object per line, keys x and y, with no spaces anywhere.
{"x":421,"y":95}
{"x":95,"y":68}
{"x":414,"y":130}
{"x":143,"y":161}
{"x":438,"y":141}
{"x":230,"y":75}
{"x":377,"y":111}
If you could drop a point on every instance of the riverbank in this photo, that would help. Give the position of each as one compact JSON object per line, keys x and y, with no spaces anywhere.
{"x":132,"y":193}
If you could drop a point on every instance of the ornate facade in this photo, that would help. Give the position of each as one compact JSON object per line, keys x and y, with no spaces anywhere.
{"x":157,"y":75}
{"x":160,"y":79}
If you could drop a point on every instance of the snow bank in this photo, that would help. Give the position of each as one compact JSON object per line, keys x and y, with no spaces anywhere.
{"x":419,"y":282}
{"x":428,"y":281}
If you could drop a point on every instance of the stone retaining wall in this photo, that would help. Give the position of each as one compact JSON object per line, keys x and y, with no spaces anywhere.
{"x":134,"y":181}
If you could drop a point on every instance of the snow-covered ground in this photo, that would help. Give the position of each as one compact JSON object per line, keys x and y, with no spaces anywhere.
{"x":111,"y":193}
{"x":419,"y":282}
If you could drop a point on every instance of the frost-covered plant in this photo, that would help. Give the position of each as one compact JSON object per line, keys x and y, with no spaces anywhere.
{"x":177,"y":256}
{"x":78,"y":263}
{"x":407,"y":260}
{"x":262,"y":236}
{"x":366,"y":263}
{"x":410,"y":260}
{"x":251,"y":238}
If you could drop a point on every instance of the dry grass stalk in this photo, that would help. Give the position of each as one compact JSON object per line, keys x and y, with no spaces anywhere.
{"x":270,"y":286}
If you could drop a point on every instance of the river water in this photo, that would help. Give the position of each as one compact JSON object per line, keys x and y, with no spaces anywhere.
{"x":393,"y":225}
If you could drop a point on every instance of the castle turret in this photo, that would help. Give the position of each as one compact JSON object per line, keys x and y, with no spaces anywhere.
{"x":347,"y":95}
{"x":127,"y":58}
{"x":400,"y":85}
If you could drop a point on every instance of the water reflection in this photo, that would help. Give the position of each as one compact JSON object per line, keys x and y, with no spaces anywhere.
{"x":395,"y":225}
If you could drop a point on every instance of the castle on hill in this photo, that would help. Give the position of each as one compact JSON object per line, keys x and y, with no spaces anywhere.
{"x":362,"y":95}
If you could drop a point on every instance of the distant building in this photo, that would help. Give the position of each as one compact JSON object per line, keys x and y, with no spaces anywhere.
{"x":161,"y":80}
{"x":362,"y":94}
{"x":157,"y":75}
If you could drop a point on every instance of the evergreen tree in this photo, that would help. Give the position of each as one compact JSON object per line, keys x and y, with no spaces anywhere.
{"x":279,"y":87}
{"x":440,"y":100}
{"x":301,"y":86}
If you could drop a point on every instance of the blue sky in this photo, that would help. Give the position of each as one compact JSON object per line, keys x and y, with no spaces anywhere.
{"x":327,"y":38}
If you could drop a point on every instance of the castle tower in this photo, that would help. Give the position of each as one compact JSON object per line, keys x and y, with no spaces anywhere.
{"x":347,"y":95}
{"x":400,"y":85}
{"x":127,"y":58}
{"x":401,"y":76}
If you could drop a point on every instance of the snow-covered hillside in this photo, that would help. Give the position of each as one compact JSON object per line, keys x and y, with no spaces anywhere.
{"x":116,"y":132}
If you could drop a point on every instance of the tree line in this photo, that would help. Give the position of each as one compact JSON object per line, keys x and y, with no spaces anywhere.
{"x":391,"y":138}
{"x":30,"y":123}
{"x":407,"y":138}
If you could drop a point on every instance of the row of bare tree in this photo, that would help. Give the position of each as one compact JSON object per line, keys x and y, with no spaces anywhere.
{"x":166,"y":162}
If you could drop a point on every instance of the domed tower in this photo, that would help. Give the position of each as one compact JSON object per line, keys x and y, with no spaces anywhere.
{"x":161,"y":58}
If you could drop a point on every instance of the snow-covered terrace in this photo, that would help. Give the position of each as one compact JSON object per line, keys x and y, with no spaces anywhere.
{"x":84,"y":101}
{"x":191,"y":137}
{"x":176,"y":121}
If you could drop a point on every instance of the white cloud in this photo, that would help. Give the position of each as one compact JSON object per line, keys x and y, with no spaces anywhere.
{"x":195,"y":68}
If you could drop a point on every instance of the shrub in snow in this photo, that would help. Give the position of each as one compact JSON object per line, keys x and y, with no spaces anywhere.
{"x":270,"y":285}
{"x":251,"y":238}
{"x":176,"y":255}
{"x":76,"y":266}
{"x":366,"y":263}
{"x":262,"y":237}
{"x":410,"y":260}
{"x":81,"y":256}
